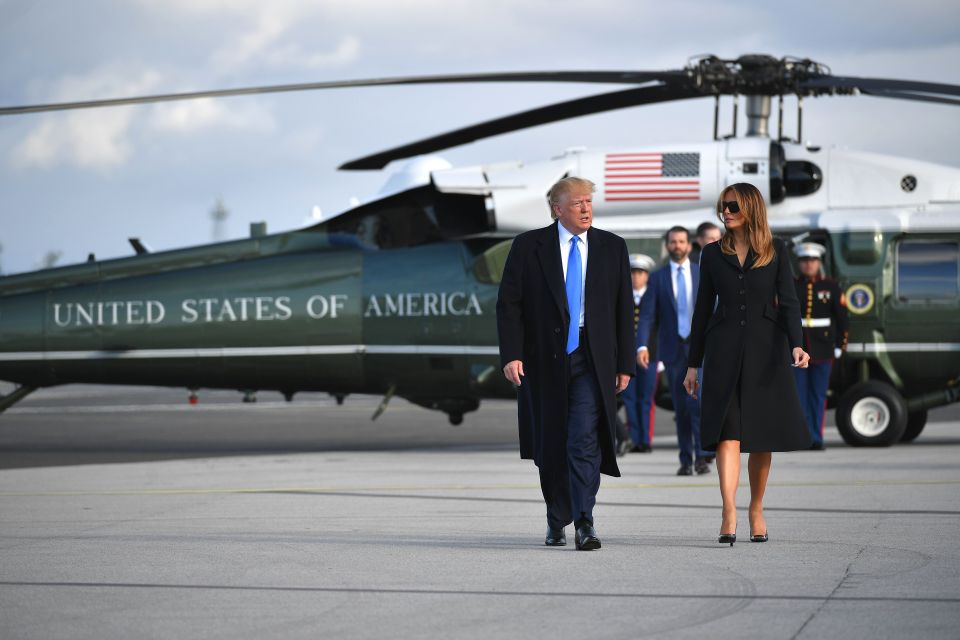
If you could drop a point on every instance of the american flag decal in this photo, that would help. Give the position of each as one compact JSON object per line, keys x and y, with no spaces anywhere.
{"x":651,"y":176}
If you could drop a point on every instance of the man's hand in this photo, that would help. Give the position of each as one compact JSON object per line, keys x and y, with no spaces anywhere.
{"x":837,"y":352}
{"x":690,"y":381}
{"x":643,"y":358}
{"x":622,"y":381}
{"x":800,"y":358}
{"x":513,"y":372}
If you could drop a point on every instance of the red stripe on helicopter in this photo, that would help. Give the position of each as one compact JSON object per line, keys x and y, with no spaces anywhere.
{"x":651,"y":176}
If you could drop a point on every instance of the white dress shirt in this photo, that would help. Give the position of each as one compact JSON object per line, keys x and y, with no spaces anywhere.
{"x":638,"y":295}
{"x":565,"y":257}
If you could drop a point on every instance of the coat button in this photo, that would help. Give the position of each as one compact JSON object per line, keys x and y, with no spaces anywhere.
{"x":742,"y":307}
{"x":554,"y":356}
{"x":743,"y":323}
{"x":557,"y":330}
{"x":740,"y":276}
{"x":742,"y":291}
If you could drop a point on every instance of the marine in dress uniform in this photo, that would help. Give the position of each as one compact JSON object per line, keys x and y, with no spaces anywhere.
{"x":823,"y":312}
{"x":638,"y":397}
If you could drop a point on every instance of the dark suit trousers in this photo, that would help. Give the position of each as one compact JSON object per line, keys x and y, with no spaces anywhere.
{"x":570,"y":496}
{"x":686,"y":410}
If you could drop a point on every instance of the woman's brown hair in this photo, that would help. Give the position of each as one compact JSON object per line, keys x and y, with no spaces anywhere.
{"x":754,"y":212}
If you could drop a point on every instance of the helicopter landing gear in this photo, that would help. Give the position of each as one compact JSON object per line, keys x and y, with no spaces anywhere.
{"x":871,"y":414}
{"x":339,"y":397}
{"x":15,"y":396}
{"x":288,"y":395}
{"x":916,"y":421}
{"x":249,"y":396}
{"x":456,"y":418}
{"x":193,"y":398}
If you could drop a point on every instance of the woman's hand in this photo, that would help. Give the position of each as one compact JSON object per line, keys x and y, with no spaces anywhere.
{"x":800,"y":358}
{"x":690,"y":381}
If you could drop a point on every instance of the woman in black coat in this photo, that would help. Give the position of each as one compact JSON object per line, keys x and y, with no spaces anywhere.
{"x":746,"y":333}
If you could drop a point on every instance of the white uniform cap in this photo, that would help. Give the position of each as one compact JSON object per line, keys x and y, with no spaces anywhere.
{"x":641,"y":261}
{"x":809,"y":250}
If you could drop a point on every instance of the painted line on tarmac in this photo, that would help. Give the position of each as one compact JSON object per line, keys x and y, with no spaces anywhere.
{"x":451,"y":487}
{"x":478,"y":592}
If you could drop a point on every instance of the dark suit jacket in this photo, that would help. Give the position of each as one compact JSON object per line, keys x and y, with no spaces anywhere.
{"x":659,"y":306}
{"x":747,"y":342}
{"x":532,"y":322}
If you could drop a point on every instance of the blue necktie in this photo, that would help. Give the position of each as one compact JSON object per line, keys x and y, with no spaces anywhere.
{"x":683,"y":314}
{"x":574,"y":295}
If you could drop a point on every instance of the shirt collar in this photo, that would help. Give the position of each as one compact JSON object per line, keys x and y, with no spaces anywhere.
{"x":566,"y":235}
{"x":685,"y":264}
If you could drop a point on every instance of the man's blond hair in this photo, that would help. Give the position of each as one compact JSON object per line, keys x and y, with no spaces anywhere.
{"x":565,"y":186}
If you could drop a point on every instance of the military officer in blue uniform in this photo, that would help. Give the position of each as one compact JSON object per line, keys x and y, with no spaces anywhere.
{"x":823,"y":312}
{"x":638,"y":397}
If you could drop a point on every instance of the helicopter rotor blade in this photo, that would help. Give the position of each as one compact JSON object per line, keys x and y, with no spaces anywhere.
{"x":905,"y":89}
{"x":900,"y":95}
{"x":534,"y":117}
{"x":604,"y":77}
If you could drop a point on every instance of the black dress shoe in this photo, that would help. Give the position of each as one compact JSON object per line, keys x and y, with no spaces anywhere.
{"x":818,"y":446}
{"x":555,"y":538}
{"x":701,"y":467}
{"x":624,"y":446}
{"x":685,"y":470}
{"x":709,"y":459}
{"x":586,"y":538}
{"x":641,"y":448}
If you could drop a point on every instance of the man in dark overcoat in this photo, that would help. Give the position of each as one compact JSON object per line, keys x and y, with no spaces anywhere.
{"x":564,"y":319}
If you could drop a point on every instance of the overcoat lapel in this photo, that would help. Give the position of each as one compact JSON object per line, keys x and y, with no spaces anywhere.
{"x":734,"y":261}
{"x":593,"y":266}
{"x":549,"y":255}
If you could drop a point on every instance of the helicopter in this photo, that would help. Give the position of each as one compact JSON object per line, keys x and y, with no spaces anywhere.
{"x":396,"y":295}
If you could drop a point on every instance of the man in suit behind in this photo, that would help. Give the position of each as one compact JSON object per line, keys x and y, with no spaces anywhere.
{"x":669,"y":301}
{"x":566,"y":341}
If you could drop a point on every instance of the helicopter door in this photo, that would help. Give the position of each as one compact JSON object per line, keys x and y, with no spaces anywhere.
{"x":417,"y":309}
{"x":487,"y":271}
{"x":922,"y":332}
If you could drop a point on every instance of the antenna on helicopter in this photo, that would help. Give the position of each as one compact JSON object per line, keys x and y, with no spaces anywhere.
{"x":219,"y":215}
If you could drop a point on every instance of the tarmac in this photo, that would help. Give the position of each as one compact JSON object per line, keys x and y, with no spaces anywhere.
{"x":129,"y":514}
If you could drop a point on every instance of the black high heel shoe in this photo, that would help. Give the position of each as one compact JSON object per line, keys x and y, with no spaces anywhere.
{"x":727,"y":538}
{"x":760,"y":538}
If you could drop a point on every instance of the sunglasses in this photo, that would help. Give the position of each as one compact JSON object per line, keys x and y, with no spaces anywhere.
{"x":730,"y":206}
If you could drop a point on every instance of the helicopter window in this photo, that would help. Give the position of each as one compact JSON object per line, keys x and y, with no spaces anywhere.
{"x":928,"y":271}
{"x":408,"y":219}
{"x":488,"y":267}
{"x":802,"y":178}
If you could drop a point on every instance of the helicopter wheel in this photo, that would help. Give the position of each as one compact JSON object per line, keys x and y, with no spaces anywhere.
{"x":916,"y":421}
{"x":871,"y":414}
{"x":456,"y":419}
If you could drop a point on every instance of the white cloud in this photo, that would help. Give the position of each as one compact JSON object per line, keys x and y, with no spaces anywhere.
{"x":94,"y":139}
{"x":207,"y":113}
{"x":103,"y":139}
{"x":293,"y":55}
{"x":272,"y":22}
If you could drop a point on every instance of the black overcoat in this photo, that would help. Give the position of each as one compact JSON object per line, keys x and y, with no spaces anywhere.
{"x":532,"y":322}
{"x":745,"y":324}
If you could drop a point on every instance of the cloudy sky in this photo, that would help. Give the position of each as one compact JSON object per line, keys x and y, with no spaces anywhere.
{"x":85,"y":181}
